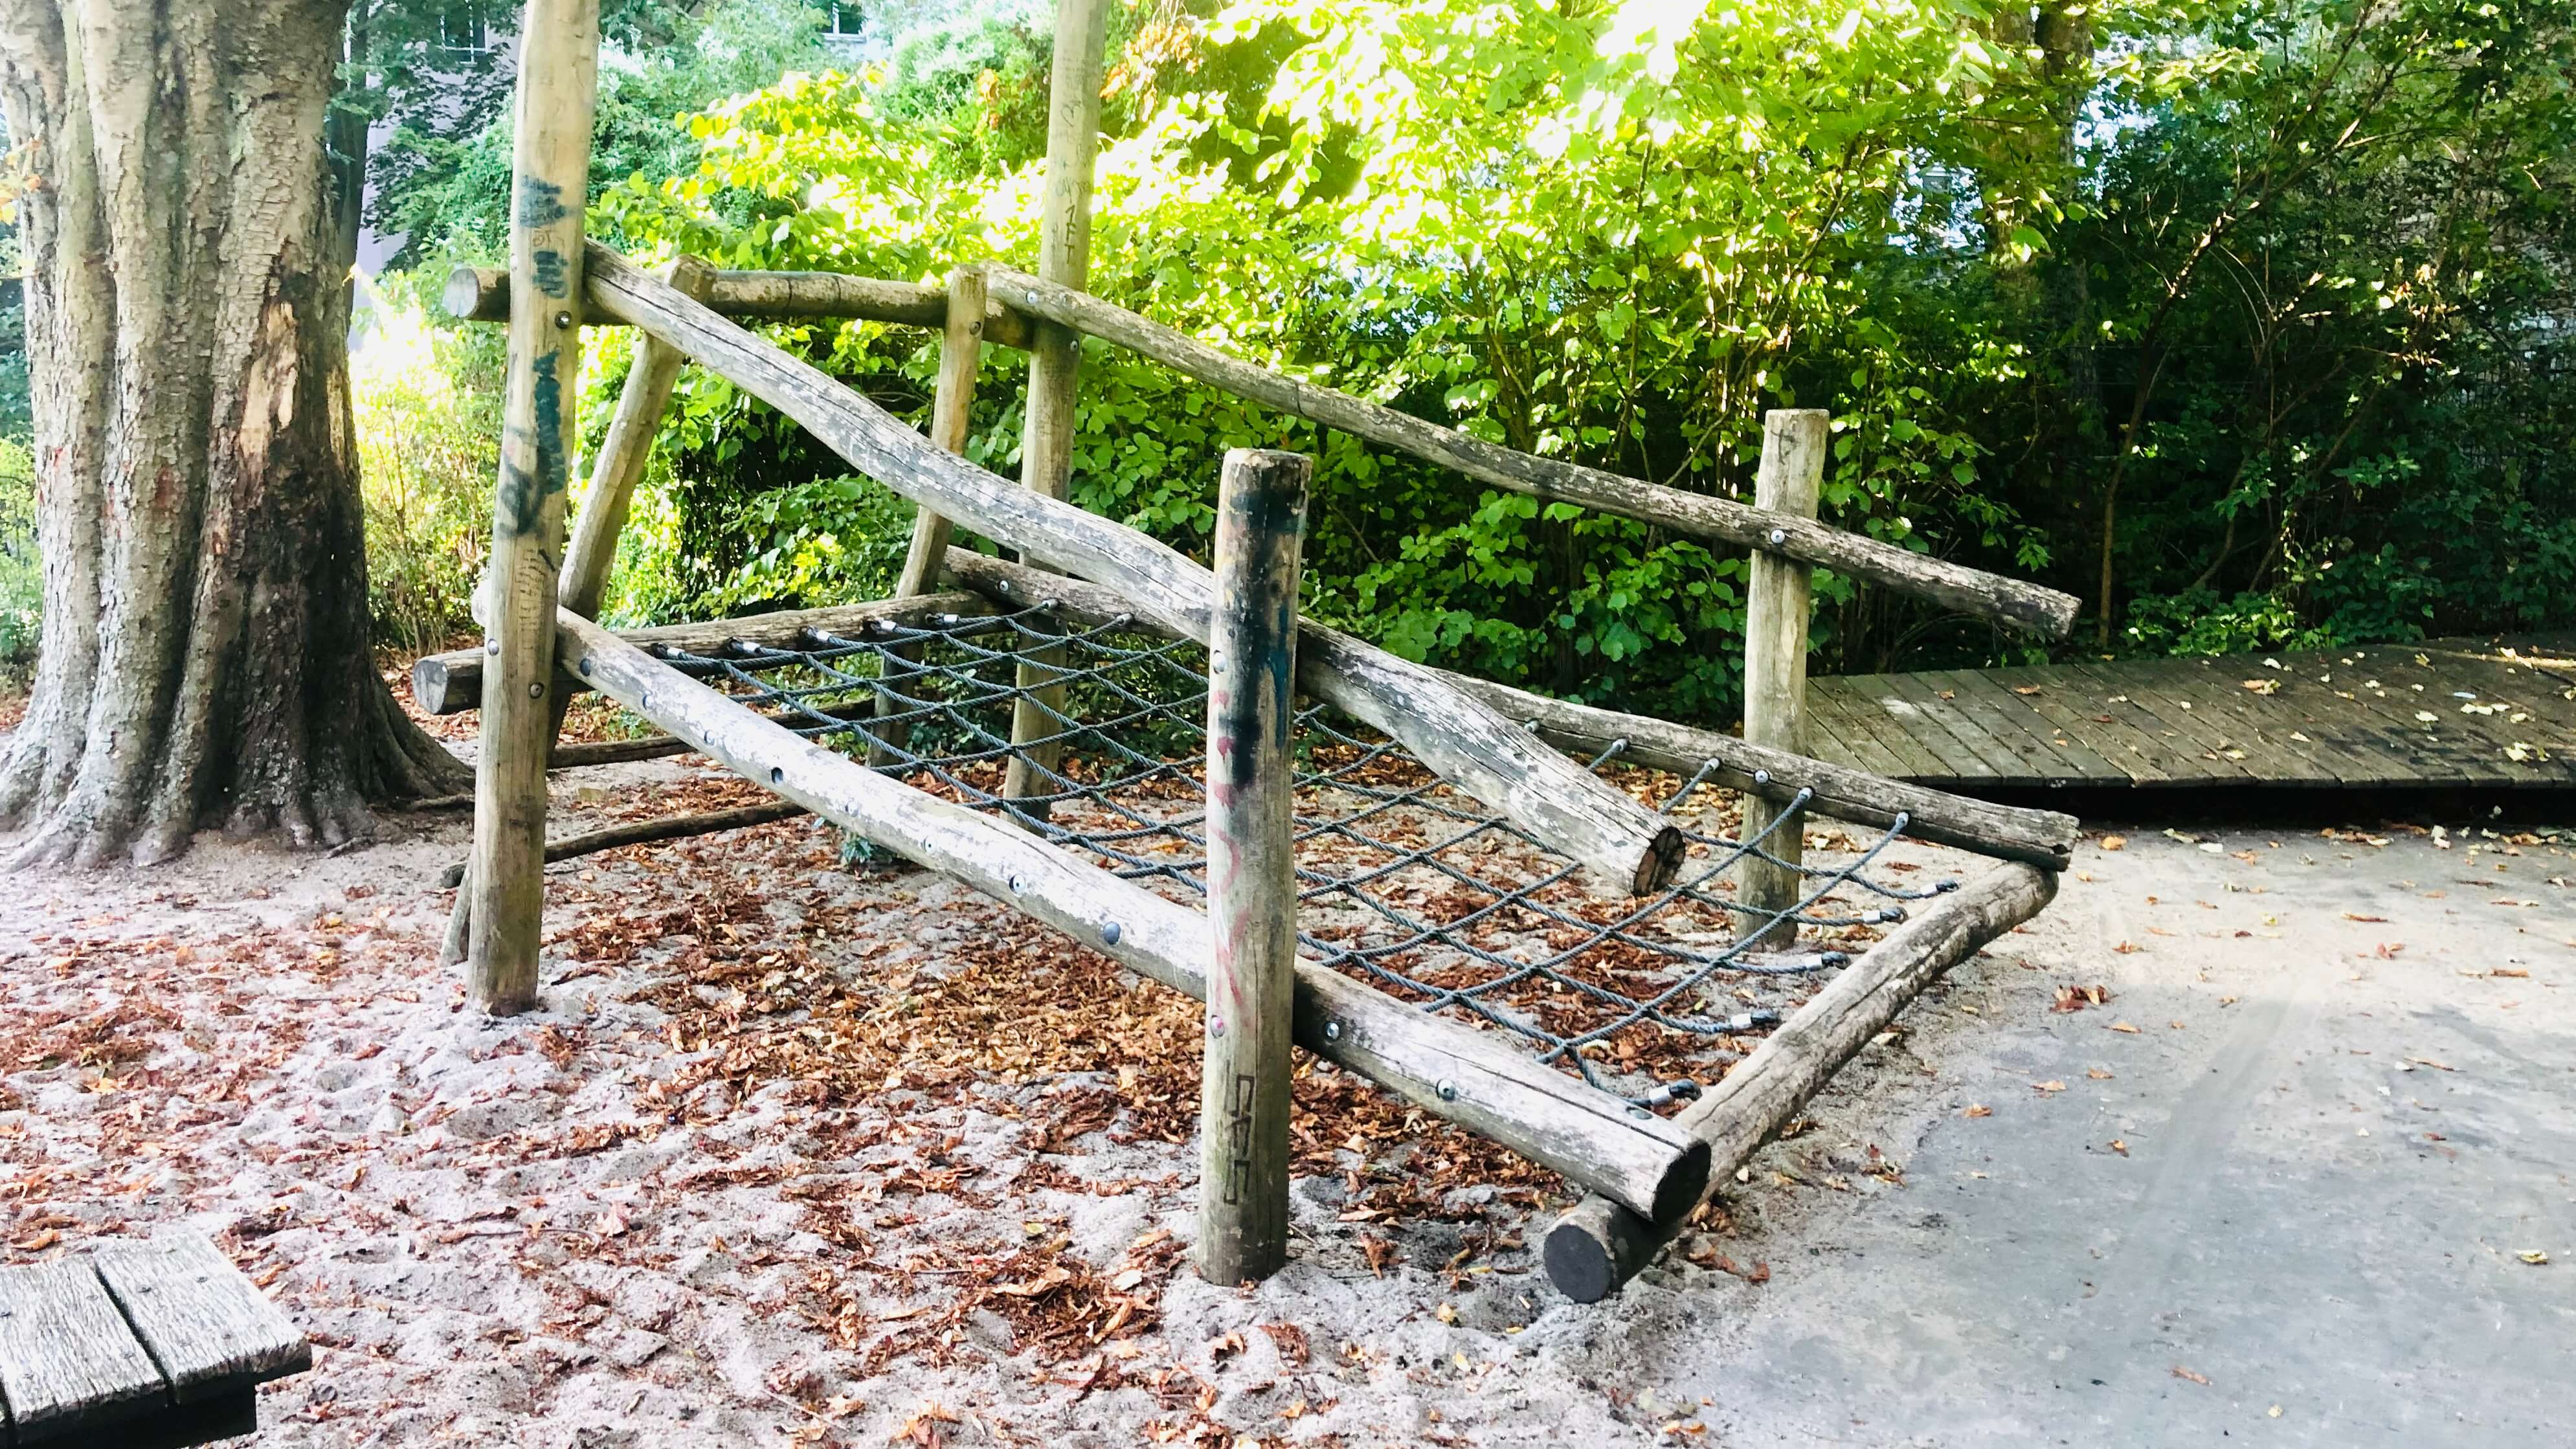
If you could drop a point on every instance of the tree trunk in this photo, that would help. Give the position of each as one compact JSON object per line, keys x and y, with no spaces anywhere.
{"x":205,"y":649}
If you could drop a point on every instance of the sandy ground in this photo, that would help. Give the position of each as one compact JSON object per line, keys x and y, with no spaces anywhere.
{"x":794,"y":1154}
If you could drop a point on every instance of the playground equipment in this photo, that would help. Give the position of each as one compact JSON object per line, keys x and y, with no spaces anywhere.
{"x":1481,"y":923}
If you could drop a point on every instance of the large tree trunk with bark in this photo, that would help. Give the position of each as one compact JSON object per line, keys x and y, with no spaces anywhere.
{"x":205,"y":651}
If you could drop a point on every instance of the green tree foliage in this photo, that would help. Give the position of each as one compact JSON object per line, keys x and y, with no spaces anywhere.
{"x":2261,"y":301}
{"x":434,"y":77}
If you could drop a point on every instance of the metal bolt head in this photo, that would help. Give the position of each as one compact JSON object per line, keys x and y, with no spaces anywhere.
{"x":1447,"y":1089}
{"x":1216,"y":1025}
{"x":1779,"y":536}
{"x":537,"y":690}
{"x":563,"y":320}
{"x":1640,"y":1113}
{"x":585,"y":666}
{"x":1109,"y":932}
{"x":492,"y":646}
{"x":1762,"y":777}
{"x":1332,"y":1031}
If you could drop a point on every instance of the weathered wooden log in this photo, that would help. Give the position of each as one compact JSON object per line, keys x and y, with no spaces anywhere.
{"x":1778,"y":601}
{"x":550,"y":169}
{"x":1251,"y":867}
{"x":646,"y":832}
{"x":585,"y":754}
{"x":452,"y":683}
{"x":1055,"y":360}
{"x":1629,"y":846}
{"x":1600,"y":1245}
{"x":2038,"y":837}
{"x":482,"y":294}
{"x":1448,"y":1069}
{"x":1972,"y":591}
{"x":961,"y":355}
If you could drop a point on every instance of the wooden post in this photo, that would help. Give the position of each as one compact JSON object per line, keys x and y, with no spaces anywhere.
{"x":1055,"y":351}
{"x":961,"y":354}
{"x":1776,"y":609}
{"x":593,"y":550}
{"x":558,"y":78}
{"x":1252,"y":867}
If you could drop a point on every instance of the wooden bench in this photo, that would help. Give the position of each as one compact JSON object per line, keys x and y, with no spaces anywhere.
{"x":141,"y":1345}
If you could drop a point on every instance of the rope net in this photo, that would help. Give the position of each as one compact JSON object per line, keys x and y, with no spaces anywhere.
{"x":1405,"y":883}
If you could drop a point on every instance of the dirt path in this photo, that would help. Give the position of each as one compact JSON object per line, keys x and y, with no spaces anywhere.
{"x":797,"y":1154}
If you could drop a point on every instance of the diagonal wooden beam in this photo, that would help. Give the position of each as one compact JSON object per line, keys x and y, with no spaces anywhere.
{"x":1560,"y":803}
{"x":1973,"y":591}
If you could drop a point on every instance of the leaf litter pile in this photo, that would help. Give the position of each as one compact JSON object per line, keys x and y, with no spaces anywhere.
{"x":793,"y":1148}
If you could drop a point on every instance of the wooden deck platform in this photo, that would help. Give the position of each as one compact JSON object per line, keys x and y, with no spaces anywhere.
{"x":2445,"y":712}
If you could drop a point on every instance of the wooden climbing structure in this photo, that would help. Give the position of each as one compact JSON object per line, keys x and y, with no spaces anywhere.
{"x":1434,"y":882}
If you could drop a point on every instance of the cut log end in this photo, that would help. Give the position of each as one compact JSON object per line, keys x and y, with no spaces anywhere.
{"x":1593,"y":1250}
{"x":1661,"y":861}
{"x":429,"y":686}
{"x":1685,"y":1182}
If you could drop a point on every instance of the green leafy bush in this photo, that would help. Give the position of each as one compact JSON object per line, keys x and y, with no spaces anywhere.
{"x":427,"y":403}
{"x":22,"y":575}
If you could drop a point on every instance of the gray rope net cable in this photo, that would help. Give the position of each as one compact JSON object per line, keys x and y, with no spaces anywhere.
{"x":1407,"y":884}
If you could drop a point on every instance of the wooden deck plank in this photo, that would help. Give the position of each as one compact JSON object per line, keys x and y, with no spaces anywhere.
{"x":1823,"y":741}
{"x":2192,"y":754}
{"x":1992,"y":700}
{"x":2295,"y":722}
{"x":1919,"y":711}
{"x":2456,"y":750}
{"x":1858,"y":742}
{"x":2066,"y":703}
{"x":2188,"y":692}
{"x":70,"y":1369}
{"x":211,"y":1332}
{"x":2356,"y":737}
{"x":1862,"y":711}
{"x":2025,"y":738}
{"x":2192,"y":721}
{"x":2539,"y":711}
{"x":2261,"y":726}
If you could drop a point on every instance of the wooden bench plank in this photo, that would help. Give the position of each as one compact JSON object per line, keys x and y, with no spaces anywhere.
{"x":210,"y":1331}
{"x":69,"y":1365}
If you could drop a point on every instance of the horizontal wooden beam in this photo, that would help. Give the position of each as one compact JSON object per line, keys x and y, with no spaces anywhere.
{"x":649,"y":832}
{"x":1600,"y":1245}
{"x":452,"y":683}
{"x":2037,"y":837}
{"x":1971,"y":591}
{"x":482,"y":294}
{"x":1627,"y":846}
{"x":1448,"y":1069}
